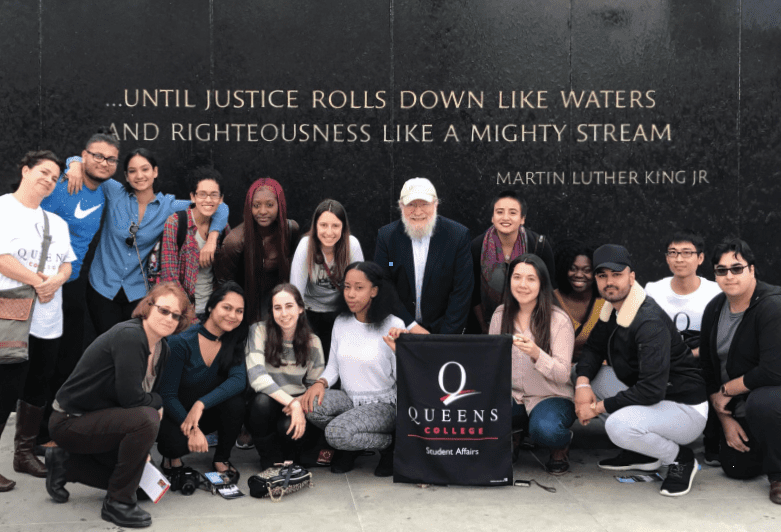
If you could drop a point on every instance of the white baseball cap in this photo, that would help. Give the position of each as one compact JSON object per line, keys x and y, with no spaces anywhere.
{"x":418,"y":188}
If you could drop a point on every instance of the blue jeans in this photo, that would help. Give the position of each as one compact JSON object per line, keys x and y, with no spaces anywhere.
{"x":549,"y":421}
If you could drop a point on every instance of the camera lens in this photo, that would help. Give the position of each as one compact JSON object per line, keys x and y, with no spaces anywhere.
{"x":188,"y":487}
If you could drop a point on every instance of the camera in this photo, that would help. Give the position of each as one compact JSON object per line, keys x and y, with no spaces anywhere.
{"x":187,"y":481}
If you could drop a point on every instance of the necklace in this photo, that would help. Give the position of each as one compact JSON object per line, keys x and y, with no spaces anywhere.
{"x":209,"y":336}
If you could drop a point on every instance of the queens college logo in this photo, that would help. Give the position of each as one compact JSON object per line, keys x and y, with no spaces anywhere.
{"x":458,"y":394}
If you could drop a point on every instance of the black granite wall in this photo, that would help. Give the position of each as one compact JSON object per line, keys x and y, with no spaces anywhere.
{"x":673,"y":120}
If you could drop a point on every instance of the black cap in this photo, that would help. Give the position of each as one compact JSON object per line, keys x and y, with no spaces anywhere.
{"x":612,"y":257}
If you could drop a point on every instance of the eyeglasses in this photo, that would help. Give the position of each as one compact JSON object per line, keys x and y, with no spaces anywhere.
{"x":165,"y":312}
{"x":721,"y":271}
{"x":686,"y":253}
{"x":133,"y":229}
{"x":203,"y":195}
{"x":112,"y":161}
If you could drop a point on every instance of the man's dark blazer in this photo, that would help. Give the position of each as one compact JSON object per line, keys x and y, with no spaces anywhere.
{"x":447,"y":281}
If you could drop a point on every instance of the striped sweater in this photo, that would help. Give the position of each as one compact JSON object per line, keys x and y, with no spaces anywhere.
{"x":289,"y":377}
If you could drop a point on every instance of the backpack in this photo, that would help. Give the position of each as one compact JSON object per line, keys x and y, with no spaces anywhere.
{"x":154,"y":261}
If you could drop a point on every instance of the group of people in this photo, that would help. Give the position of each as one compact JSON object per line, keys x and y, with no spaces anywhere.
{"x":293,"y":337}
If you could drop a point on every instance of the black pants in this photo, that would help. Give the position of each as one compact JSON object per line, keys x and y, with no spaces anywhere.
{"x":763,"y":428}
{"x":105,"y":313}
{"x":226,"y":418}
{"x":71,"y":345}
{"x":74,"y":307}
{"x":108,"y":448}
{"x":322,"y":324}
{"x":266,"y":418}
{"x":28,"y":380}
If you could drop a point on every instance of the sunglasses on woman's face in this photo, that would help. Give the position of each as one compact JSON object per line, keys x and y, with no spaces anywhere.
{"x":165,"y":312}
{"x":133,"y":229}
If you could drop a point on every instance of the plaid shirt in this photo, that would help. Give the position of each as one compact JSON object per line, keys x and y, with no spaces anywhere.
{"x":181,"y":268}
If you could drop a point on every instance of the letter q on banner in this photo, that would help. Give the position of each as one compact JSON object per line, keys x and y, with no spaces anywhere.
{"x":458,"y":394}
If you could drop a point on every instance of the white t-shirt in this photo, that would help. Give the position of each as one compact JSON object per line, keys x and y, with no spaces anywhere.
{"x":21,"y":237}
{"x":686,"y":311}
{"x":316,"y":290}
{"x":362,"y":360}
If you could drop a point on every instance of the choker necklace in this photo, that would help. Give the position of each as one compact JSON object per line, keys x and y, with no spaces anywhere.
{"x":209,"y":336}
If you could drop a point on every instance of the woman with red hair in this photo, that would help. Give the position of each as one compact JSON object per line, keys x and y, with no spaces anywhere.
{"x":257,"y":253}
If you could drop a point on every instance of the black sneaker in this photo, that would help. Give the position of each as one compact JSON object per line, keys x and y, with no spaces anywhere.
{"x":712,"y":458}
{"x":630,"y":460}
{"x":680,"y":478}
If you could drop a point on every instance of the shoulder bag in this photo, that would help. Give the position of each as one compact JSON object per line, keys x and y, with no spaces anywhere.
{"x":16,"y":311}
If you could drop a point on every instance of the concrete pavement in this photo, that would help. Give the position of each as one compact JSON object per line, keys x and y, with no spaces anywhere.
{"x":587,"y":499}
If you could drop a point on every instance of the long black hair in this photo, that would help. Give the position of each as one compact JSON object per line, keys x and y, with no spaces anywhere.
{"x":234,"y":339}
{"x":543,"y":310}
{"x":383,"y":303}
{"x":302,"y":337}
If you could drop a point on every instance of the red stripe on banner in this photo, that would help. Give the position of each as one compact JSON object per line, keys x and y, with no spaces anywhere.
{"x":451,"y":439}
{"x":12,"y":344}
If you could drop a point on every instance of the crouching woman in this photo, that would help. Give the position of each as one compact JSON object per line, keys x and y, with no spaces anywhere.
{"x":107,"y":414}
{"x":203,"y":384}
{"x":362,"y":415}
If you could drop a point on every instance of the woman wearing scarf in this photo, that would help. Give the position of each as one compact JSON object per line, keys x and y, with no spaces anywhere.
{"x":492,"y":251}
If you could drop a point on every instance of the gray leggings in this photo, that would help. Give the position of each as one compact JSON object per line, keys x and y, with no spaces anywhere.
{"x":354,"y":428}
{"x":654,"y":430}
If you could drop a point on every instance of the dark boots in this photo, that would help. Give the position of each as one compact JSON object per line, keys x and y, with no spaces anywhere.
{"x":385,"y":466}
{"x":28,"y":420}
{"x":344,"y":461}
{"x":5,"y":484}
{"x":270,"y":451}
{"x":56,"y":474}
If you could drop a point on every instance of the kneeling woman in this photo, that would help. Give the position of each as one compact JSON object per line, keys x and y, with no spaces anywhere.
{"x":203,"y":383}
{"x":284,"y":358}
{"x":543,"y":340}
{"x":107,"y":413}
{"x":362,"y":415}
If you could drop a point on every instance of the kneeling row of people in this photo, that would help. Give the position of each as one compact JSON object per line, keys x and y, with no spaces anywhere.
{"x":652,"y":389}
{"x":137,"y":384}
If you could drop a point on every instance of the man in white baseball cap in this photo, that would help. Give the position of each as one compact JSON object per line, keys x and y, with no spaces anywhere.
{"x":428,"y":260}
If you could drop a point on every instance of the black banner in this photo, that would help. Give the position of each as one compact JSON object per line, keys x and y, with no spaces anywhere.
{"x":453,"y":424}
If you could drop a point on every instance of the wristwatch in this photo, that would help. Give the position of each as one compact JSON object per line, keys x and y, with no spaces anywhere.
{"x":724,"y":391}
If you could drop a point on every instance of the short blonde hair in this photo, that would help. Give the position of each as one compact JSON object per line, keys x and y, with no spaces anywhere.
{"x":144,"y":306}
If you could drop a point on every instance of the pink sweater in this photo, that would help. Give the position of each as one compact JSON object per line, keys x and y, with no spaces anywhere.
{"x":550,"y":375}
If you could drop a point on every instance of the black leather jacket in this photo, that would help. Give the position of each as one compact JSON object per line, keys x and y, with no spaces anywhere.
{"x":646,"y":352}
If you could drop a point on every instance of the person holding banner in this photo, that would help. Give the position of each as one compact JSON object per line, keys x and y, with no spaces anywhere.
{"x":362,"y":415}
{"x":543,"y":340}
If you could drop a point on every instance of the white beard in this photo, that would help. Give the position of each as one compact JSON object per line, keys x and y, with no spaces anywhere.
{"x":417,"y":234}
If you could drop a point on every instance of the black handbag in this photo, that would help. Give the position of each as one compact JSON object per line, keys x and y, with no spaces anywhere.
{"x":16,"y":311}
{"x":276,"y":482}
